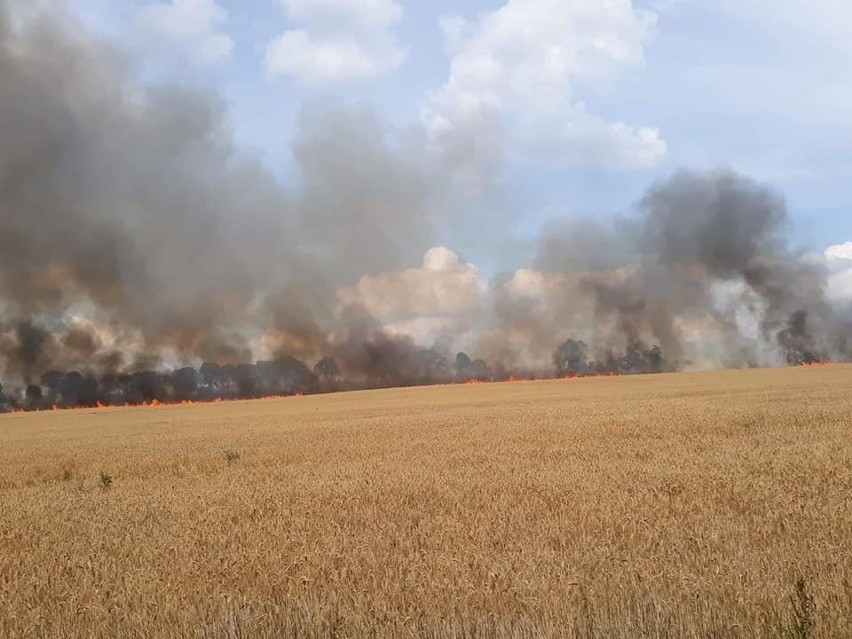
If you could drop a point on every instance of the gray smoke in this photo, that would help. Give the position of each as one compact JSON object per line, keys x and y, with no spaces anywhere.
{"x":702,"y":251}
{"x":130,"y":204}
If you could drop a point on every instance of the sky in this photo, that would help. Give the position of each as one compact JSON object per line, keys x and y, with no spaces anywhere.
{"x":588,"y":101}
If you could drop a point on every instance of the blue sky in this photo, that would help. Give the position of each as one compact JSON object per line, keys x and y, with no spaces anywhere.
{"x":763,"y":87}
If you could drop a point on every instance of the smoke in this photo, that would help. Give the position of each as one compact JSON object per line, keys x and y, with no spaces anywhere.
{"x":120,"y":197}
{"x":703,"y":260}
{"x":130,"y":204}
{"x":137,"y":238}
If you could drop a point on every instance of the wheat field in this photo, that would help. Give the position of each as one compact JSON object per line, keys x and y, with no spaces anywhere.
{"x":678,"y":505}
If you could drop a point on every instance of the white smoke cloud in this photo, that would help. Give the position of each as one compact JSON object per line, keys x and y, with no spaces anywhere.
{"x":514,"y":74}
{"x":342,"y":41}
{"x":197,"y":26}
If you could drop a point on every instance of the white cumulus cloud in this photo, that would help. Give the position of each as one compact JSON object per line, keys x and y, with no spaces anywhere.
{"x":197,"y":26}
{"x":515,"y":74}
{"x":840,"y":285}
{"x":839,"y":251}
{"x":340,"y":41}
{"x":443,"y":293}
{"x":839,"y":258}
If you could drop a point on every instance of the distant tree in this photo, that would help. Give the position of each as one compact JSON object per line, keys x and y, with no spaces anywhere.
{"x":462,"y":360}
{"x":145,"y":386}
{"x":90,"y":391}
{"x":285,"y":375}
{"x":638,"y":358}
{"x":33,"y":395}
{"x":479,"y":370}
{"x":434,"y":364}
{"x":633,"y":360}
{"x":112,"y":390}
{"x":185,"y":383}
{"x":656,"y":359}
{"x":571,"y":358}
{"x":245,"y":378}
{"x":71,"y":388}
{"x":462,"y":366}
{"x":53,"y":382}
{"x":327,"y":369}
{"x":210,"y":375}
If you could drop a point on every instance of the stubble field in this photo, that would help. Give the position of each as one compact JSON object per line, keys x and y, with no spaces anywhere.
{"x":683,"y":505}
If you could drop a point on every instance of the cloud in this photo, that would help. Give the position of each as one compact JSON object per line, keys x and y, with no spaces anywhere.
{"x":443,"y":293}
{"x":196,"y":26}
{"x":840,"y":252}
{"x":342,"y":41}
{"x":839,"y":258}
{"x":840,"y":286}
{"x":515,"y":72}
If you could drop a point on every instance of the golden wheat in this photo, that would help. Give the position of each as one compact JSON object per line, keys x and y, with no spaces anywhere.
{"x":684,"y":505}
